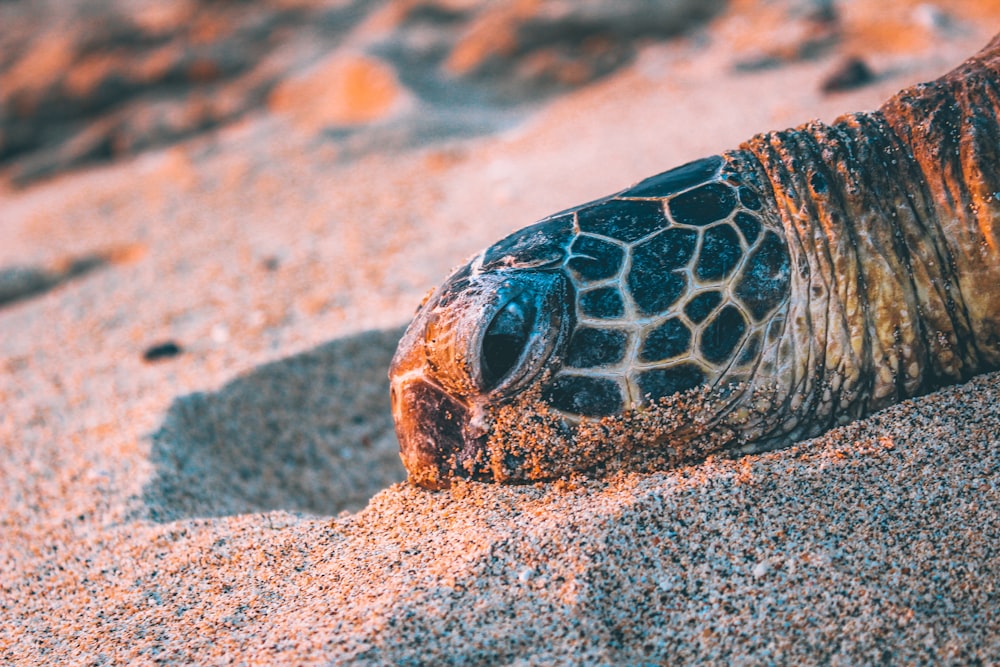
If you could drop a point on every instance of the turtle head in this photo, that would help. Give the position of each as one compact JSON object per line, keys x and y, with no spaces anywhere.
{"x":674,"y":285}
{"x":487,"y":334}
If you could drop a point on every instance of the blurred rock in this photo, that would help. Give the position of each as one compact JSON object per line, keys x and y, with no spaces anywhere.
{"x":562,"y":42}
{"x":342,"y":90}
{"x":851,"y":73}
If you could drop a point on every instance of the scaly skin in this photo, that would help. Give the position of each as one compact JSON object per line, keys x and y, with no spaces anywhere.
{"x":844,"y":267}
{"x":891,"y":219}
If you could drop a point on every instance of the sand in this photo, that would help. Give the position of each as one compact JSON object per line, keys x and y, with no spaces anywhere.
{"x":241,"y":502}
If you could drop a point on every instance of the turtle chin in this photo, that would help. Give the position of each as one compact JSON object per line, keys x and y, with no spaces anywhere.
{"x":437,"y":441}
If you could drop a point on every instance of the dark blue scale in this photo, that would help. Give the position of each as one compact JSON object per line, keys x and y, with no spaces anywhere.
{"x":764,"y":283}
{"x":540,"y":244}
{"x":660,"y":382}
{"x":582,"y":395}
{"x":670,"y":339}
{"x":723,"y":334}
{"x":703,"y":205}
{"x":681,"y":178}
{"x":701,"y":306}
{"x":594,"y":259}
{"x":749,"y":198}
{"x":624,"y":220}
{"x":749,"y":225}
{"x":590,"y":347}
{"x":653,"y":279}
{"x":602,"y":302}
{"x":720,"y":253}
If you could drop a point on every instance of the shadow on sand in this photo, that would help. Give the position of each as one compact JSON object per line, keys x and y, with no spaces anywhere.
{"x":312,"y":433}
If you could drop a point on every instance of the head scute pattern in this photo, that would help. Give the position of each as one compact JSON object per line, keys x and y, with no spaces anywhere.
{"x":738,"y":301}
{"x":669,"y":259}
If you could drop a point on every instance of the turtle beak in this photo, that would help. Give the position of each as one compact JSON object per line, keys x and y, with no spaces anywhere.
{"x":435,"y":440}
{"x":473,"y":342}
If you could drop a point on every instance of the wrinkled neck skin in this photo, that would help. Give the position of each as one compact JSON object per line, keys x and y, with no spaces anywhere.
{"x":891,"y":220}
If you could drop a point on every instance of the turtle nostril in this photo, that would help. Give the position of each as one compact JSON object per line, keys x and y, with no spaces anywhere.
{"x":504,"y":342}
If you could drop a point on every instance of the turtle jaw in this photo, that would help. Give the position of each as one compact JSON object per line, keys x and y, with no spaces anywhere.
{"x":437,"y":439}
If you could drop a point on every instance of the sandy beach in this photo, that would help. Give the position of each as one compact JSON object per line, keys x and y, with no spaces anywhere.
{"x":200,"y":293}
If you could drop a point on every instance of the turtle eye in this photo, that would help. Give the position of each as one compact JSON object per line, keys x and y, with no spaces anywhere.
{"x":505,"y":341}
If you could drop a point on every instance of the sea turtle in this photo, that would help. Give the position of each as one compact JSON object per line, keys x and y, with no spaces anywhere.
{"x":736,"y":303}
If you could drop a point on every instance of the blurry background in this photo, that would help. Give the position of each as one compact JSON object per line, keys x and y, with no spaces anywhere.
{"x":84,"y":81}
